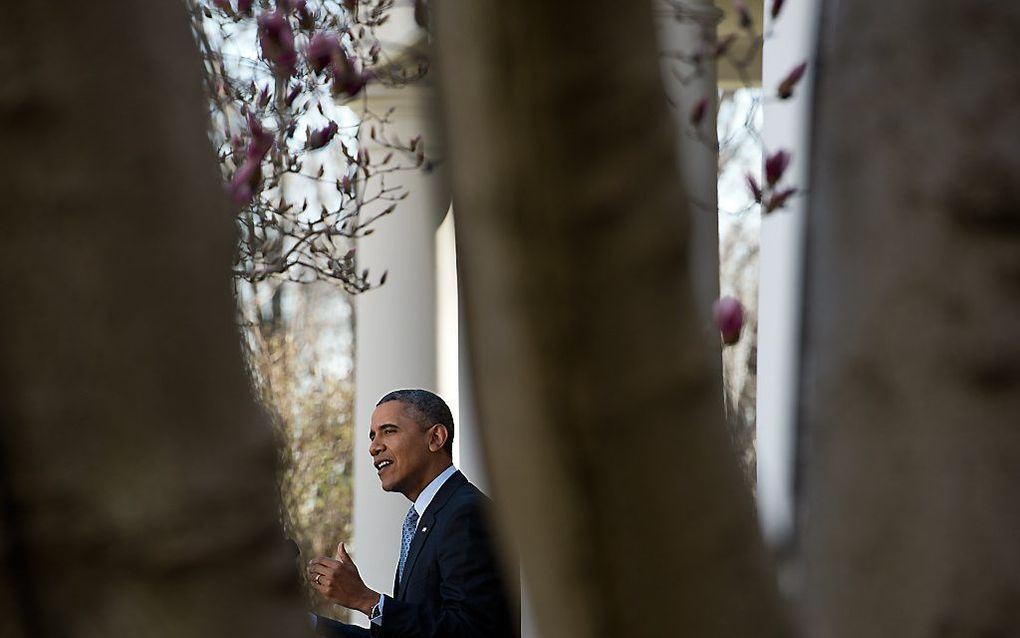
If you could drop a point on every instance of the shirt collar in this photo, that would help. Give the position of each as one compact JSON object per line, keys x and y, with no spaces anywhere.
{"x":429,"y":493}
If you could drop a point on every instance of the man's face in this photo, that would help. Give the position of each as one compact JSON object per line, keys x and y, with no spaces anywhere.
{"x":399,"y":449}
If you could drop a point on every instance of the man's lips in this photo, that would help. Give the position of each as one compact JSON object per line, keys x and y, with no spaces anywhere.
{"x":382,"y":465}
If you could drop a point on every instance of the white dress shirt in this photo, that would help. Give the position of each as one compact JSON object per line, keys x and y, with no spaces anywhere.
{"x":420,"y":505}
{"x":425,"y":498}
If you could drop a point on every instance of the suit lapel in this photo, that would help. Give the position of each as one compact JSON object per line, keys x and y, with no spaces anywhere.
{"x":425,"y":525}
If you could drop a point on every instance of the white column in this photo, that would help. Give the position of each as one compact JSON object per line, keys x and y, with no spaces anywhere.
{"x":448,"y":327}
{"x":779,"y":294}
{"x":472,"y":458}
{"x":395,"y":330}
{"x":454,"y":362}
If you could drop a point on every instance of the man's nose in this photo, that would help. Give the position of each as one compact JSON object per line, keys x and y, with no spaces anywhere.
{"x":374,"y":448}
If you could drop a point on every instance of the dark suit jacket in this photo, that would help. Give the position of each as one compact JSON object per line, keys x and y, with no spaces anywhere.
{"x":452,"y":585}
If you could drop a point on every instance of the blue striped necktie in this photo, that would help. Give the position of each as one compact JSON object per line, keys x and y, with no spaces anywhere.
{"x":406,"y":535}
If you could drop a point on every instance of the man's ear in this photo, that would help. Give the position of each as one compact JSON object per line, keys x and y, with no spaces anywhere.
{"x":437,"y":437}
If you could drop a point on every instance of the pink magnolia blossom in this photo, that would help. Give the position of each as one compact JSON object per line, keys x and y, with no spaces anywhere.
{"x":752,"y":185}
{"x":261,"y":139}
{"x":292,"y":95}
{"x":699,"y":110}
{"x":728,"y":315}
{"x":321,"y":50}
{"x":786,"y":87}
{"x":320,"y":137}
{"x":778,"y":199}
{"x":775,"y":166}
{"x":244,"y":6}
{"x":259,"y":146}
{"x":254,"y":123}
{"x":277,"y":41}
{"x":347,"y":80}
{"x":305,"y":17}
{"x":242,"y":185}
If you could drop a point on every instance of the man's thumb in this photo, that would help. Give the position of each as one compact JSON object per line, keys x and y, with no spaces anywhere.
{"x":341,"y":552}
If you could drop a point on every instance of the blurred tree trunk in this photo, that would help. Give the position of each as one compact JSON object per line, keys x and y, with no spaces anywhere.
{"x":912,"y":367}
{"x":600,"y":408}
{"x":137,"y":489}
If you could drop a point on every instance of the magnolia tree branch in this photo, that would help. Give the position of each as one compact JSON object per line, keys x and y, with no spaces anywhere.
{"x":287,"y":86}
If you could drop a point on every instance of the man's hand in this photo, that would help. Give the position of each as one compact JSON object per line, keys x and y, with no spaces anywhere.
{"x":338,"y":580}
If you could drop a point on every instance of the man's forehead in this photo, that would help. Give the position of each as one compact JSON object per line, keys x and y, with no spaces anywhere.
{"x":392,"y":412}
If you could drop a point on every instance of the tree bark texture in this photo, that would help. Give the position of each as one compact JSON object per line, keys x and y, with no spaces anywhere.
{"x":137,"y":489}
{"x":600,"y":411}
{"x":912,"y":355}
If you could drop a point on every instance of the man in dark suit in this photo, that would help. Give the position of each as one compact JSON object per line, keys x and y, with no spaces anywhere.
{"x":448,"y":582}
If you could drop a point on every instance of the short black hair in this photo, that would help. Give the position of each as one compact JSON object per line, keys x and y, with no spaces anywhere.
{"x":430,"y":409}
